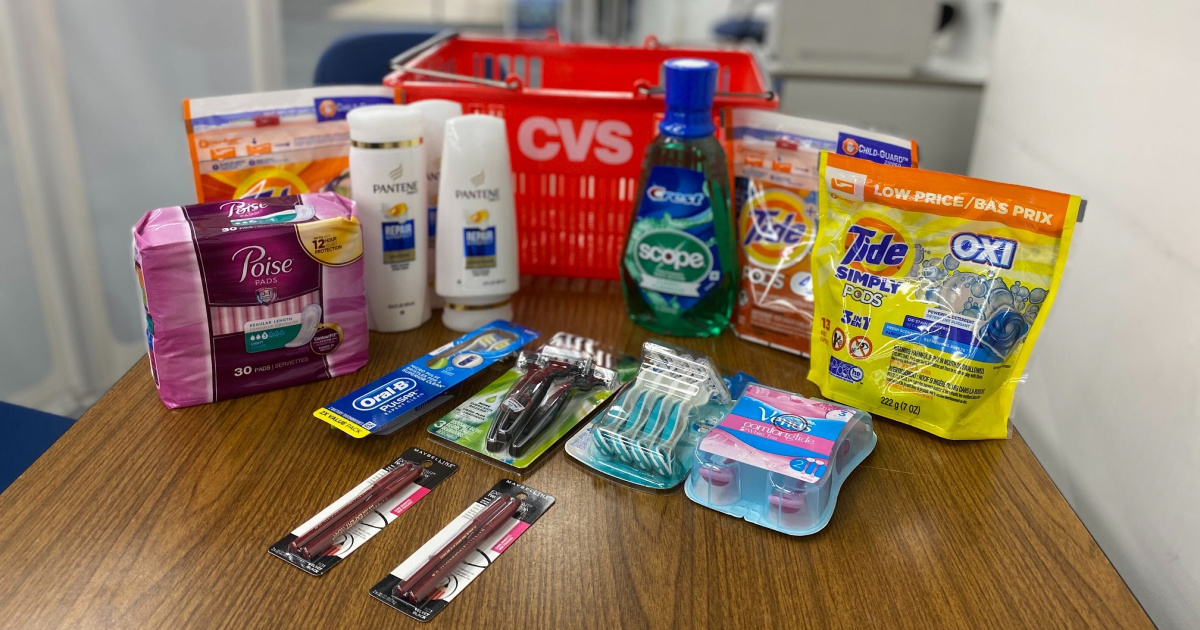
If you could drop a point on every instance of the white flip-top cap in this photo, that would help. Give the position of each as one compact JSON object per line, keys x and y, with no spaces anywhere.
{"x":385,"y":123}
{"x":480,"y":140}
{"x":437,"y":111}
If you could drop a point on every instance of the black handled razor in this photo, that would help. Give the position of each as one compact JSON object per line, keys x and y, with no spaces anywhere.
{"x":534,"y":401}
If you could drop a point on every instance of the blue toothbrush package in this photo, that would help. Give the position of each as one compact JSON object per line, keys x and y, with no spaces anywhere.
{"x":778,"y":459}
{"x":393,"y":401}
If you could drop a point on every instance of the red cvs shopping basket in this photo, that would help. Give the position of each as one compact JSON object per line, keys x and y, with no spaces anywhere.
{"x":579,"y":118}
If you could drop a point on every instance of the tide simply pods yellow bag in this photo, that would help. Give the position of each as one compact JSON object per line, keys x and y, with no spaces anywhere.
{"x":931,"y":290}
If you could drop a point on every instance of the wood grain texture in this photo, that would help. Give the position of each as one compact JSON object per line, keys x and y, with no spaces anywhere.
{"x":143,"y":517}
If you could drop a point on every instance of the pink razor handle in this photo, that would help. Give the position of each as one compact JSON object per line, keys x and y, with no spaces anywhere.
{"x":717,"y":484}
{"x":789,"y":509}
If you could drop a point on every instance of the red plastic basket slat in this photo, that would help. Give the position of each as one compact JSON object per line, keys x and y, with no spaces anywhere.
{"x":578,"y":119}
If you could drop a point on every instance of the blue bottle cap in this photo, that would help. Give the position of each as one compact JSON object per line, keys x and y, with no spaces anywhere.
{"x":690,"y":84}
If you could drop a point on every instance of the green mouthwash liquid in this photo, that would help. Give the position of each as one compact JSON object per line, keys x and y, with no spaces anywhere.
{"x":680,"y":267}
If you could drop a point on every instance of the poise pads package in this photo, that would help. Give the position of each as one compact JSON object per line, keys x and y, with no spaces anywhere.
{"x":775,"y":160}
{"x":931,"y":290}
{"x":251,"y":295}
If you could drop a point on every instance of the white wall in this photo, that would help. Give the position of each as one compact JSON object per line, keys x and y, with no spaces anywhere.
{"x":678,"y":22}
{"x":91,"y":137}
{"x":1102,"y":98}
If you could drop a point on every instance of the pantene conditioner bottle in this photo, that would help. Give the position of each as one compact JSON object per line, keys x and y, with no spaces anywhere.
{"x":387,"y":178}
{"x":477,"y":226}
{"x":436,"y":111}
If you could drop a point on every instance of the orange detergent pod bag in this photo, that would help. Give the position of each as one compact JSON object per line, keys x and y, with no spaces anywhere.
{"x":775,"y":161}
{"x":931,"y":290}
{"x":274,"y":144}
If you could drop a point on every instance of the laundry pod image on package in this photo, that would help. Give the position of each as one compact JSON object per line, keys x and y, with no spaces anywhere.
{"x":931,"y":290}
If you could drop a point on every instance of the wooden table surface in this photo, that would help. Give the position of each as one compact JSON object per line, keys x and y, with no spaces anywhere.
{"x":142,"y":517}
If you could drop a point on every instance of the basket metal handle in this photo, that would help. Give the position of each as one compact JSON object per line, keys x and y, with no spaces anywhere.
{"x":766,"y":96}
{"x":513,"y":85}
{"x":402,"y":58}
{"x":399,"y":60}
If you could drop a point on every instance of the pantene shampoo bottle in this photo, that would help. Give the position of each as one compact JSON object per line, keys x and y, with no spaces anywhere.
{"x":387,"y":178}
{"x":477,"y":227}
{"x":437,"y":111}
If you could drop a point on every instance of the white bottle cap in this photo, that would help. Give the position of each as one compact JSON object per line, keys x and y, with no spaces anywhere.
{"x":437,"y":111}
{"x":480,"y":146}
{"x":481,"y":138}
{"x":467,"y":317}
{"x":382,"y":124}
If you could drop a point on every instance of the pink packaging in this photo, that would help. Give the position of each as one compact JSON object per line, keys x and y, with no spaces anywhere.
{"x":250,"y":295}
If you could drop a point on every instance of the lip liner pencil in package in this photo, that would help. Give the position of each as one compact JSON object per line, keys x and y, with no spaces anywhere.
{"x":420,"y":585}
{"x":348,"y":523}
{"x":319,"y":539}
{"x":441,"y":569}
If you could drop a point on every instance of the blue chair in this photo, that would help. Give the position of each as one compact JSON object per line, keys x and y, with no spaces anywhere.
{"x":24,"y":435}
{"x":364,"y":58}
{"x":741,"y":28}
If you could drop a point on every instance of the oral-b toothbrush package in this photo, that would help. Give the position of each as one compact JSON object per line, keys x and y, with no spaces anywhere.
{"x":246,"y":296}
{"x":403,"y":395}
{"x":274,"y":144}
{"x":520,"y":416}
{"x":775,"y":161}
{"x":778,"y":459}
{"x":646,"y":434}
{"x":931,"y":290}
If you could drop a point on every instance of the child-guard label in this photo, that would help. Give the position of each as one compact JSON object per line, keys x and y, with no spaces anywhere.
{"x":874,"y":150}
{"x":336,"y":107}
{"x":673,"y":252}
{"x":780,"y":432}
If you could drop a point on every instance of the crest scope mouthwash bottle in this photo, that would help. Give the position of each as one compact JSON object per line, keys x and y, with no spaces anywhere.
{"x":680,"y":268}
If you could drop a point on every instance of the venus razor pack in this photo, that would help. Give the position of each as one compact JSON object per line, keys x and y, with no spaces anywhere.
{"x":778,"y":459}
{"x":393,"y":401}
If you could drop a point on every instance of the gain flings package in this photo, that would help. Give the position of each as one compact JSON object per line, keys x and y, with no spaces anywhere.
{"x":931,"y":290}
